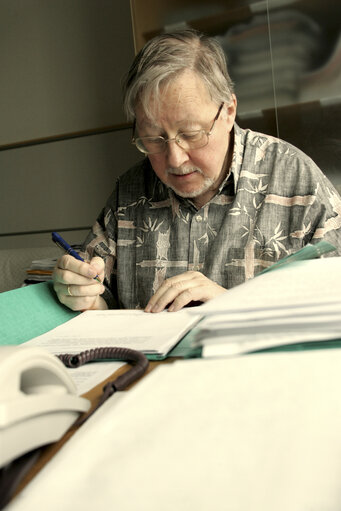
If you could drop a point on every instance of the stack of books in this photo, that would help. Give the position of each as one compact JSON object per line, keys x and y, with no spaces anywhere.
{"x":41,"y":270}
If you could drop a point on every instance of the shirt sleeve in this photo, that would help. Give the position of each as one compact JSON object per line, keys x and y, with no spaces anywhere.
{"x":326,"y":216}
{"x":322,"y":219}
{"x":101,"y":242}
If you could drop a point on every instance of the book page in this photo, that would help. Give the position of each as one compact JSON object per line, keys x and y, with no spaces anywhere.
{"x":134,"y":329}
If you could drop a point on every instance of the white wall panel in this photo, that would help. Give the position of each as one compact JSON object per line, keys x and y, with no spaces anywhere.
{"x":61,"y":65}
{"x":39,"y":240}
{"x":61,"y":184}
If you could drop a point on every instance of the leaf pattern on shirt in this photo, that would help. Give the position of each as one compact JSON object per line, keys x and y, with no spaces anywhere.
{"x":162,"y":245}
{"x":276,"y":239}
{"x":300,"y":234}
{"x":236,"y":211}
{"x":211,"y":233}
{"x":256,"y":188}
{"x":273,"y":242}
{"x":151,"y":226}
{"x":140,"y":241}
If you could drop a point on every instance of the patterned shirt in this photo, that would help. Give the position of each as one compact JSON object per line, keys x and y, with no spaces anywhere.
{"x":274,"y":201}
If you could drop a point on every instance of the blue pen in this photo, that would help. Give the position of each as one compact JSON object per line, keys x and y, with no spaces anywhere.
{"x":58,"y":240}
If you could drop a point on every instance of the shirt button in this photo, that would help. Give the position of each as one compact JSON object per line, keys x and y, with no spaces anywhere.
{"x":198,"y":218}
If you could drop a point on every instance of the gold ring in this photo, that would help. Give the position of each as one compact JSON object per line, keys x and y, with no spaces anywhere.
{"x":68,"y":291}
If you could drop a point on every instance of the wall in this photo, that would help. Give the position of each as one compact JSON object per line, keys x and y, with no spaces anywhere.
{"x":63,"y":136}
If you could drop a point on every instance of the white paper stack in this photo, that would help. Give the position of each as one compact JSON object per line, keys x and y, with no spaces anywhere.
{"x":40,"y":270}
{"x":300,"y":302}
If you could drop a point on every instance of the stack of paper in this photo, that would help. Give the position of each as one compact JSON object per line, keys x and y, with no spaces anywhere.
{"x":256,"y":59}
{"x":300,"y":302}
{"x":40,"y":270}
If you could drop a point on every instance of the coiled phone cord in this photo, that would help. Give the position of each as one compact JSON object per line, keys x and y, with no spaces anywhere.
{"x":136,"y":358}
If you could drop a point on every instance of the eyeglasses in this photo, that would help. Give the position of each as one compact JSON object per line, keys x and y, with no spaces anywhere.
{"x":185,"y":139}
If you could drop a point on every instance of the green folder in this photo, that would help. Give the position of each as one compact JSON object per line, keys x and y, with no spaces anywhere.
{"x":30,"y":311}
{"x":307,"y":252}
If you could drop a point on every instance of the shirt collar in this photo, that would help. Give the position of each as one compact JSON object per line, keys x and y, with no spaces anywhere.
{"x":236,"y":162}
{"x":237,"y":156}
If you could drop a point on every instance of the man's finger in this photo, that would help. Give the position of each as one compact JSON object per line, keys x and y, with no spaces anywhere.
{"x":75,"y":290}
{"x":169,"y":290}
{"x":67,"y":262}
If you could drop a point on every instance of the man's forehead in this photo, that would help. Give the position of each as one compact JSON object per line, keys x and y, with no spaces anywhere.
{"x":180,"y":99}
{"x":156,"y":123}
{"x":184,"y":115}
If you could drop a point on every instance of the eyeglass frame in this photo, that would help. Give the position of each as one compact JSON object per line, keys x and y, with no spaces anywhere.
{"x":166,"y":140}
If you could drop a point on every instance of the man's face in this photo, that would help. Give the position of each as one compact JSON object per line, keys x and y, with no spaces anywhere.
{"x":186,"y":106}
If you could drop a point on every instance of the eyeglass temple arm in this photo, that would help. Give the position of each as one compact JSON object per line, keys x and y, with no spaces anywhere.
{"x":216,"y":117}
{"x":133,"y":130}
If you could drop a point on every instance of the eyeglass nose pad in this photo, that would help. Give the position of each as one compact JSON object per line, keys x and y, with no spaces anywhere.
{"x":179,"y":142}
{"x":169,"y":141}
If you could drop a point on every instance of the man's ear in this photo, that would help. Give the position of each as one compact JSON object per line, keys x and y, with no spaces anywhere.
{"x":231,"y":110}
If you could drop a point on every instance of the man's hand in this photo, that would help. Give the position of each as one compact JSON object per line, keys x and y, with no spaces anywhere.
{"x":183,"y":289}
{"x":75,"y":285}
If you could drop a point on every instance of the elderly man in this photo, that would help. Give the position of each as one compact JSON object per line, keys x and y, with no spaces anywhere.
{"x":210,"y":206}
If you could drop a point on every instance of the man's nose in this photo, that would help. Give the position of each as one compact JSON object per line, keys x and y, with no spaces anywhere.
{"x":176,"y":156}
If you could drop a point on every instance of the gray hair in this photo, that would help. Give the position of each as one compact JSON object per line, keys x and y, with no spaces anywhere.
{"x":165,"y":57}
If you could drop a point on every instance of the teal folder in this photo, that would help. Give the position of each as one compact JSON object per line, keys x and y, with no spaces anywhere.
{"x":30,"y":311}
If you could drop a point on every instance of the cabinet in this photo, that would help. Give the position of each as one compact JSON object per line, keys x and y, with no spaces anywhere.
{"x":284,"y":57}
